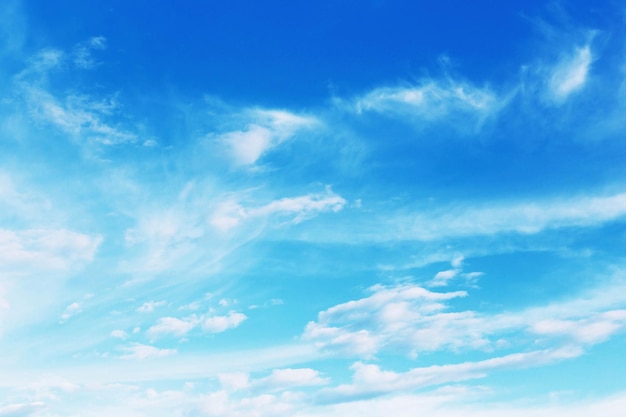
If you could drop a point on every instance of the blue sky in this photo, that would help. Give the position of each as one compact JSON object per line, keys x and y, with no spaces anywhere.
{"x":355,"y":208}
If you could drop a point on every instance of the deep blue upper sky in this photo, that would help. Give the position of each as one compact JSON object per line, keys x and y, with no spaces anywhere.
{"x":294,"y":53}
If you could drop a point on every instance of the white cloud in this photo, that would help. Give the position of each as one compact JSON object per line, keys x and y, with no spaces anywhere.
{"x":278,"y":380}
{"x":370,"y":379}
{"x":16,"y":201}
{"x":266,"y":129}
{"x":119,"y":334}
{"x":457,"y":262}
{"x":219,"y":324}
{"x":78,"y":116}
{"x":570,"y":74}
{"x":499,"y":217}
{"x":71,"y":310}
{"x":84,"y":118}
{"x":463,"y":402}
{"x":211,"y":323}
{"x":289,"y":378}
{"x":442,"y":277}
{"x":230,"y":214}
{"x":432,"y":101}
{"x":527,"y":218}
{"x":227,"y":215}
{"x":234,"y":381}
{"x":82,"y":53}
{"x":364,"y":326}
{"x":303,"y":207}
{"x":40,"y":249}
{"x":591,"y":330}
{"x":21,"y":410}
{"x":149,"y":306}
{"x":170,"y":326}
{"x":415,"y":320}
{"x":140,"y":351}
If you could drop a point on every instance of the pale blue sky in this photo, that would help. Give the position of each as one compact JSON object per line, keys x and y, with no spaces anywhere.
{"x":356,"y":208}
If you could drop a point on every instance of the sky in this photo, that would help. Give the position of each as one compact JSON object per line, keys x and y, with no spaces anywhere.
{"x":332,"y":208}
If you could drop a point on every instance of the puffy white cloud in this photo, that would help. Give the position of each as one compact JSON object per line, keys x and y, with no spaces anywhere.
{"x":170,"y":326}
{"x":210,"y":322}
{"x":141,"y":351}
{"x":364,"y":326}
{"x":71,"y":310}
{"x":590,"y":330}
{"x":413,"y":319}
{"x":219,"y":324}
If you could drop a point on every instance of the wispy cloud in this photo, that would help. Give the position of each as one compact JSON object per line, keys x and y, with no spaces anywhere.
{"x":495,"y":218}
{"x":265,"y":130}
{"x":209,"y":225}
{"x":86,"y":119}
{"x":570,"y":74}
{"x":433,"y":100}
{"x":21,"y":410}
{"x":370,"y":380}
{"x":463,"y":401}
{"x":82,"y":52}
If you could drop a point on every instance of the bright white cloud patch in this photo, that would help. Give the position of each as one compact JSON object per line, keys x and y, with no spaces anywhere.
{"x":219,"y":324}
{"x":41,"y":249}
{"x":150,"y":306}
{"x":170,"y":326}
{"x":570,"y":74}
{"x":416,"y":320}
{"x":140,"y":351}
{"x":266,"y":129}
